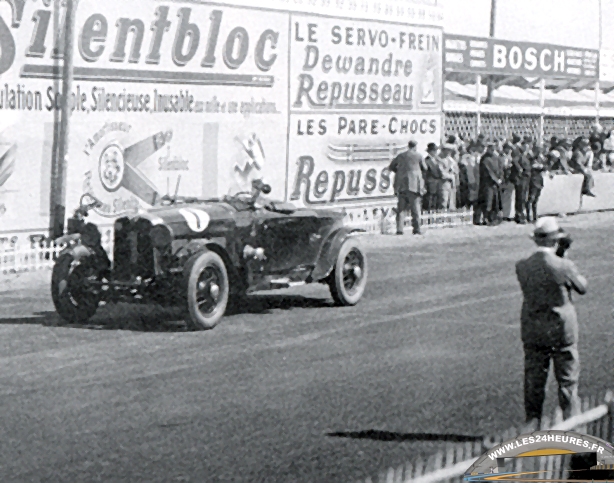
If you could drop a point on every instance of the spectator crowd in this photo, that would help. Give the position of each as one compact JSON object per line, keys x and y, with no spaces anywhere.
{"x":477,"y":173}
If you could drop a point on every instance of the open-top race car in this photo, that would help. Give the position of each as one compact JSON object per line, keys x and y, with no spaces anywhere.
{"x":202,"y":255}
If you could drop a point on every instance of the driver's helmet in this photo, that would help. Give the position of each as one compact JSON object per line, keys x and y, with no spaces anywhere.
{"x":260,"y":198}
{"x":257,"y":185}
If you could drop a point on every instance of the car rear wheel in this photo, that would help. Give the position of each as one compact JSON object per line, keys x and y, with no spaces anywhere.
{"x":207,"y":290}
{"x":72,"y":301}
{"x":348,"y":279}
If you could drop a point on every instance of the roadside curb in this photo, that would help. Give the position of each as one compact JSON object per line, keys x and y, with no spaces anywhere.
{"x":373,"y":242}
{"x":465,"y":232}
{"x":25,"y":280}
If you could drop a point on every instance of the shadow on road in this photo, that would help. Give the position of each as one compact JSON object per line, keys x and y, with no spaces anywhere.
{"x":265,"y":304}
{"x":117,"y":318}
{"x":377,"y":435}
{"x":151,"y":318}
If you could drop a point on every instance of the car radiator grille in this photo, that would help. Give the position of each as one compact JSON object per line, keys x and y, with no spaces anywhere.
{"x":133,"y":253}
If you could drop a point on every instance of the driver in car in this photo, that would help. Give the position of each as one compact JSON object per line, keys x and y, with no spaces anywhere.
{"x":259,"y":200}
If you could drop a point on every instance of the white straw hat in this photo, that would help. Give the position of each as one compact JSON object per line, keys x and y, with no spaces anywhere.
{"x":548,"y":228}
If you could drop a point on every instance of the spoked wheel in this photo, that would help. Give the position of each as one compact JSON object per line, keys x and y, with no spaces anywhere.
{"x":348,"y":279}
{"x":207,"y":290}
{"x":69,"y":289}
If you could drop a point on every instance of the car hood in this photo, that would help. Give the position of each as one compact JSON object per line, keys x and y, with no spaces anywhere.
{"x":190,"y":219}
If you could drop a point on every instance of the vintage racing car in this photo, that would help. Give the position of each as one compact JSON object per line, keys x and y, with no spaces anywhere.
{"x":203,"y":255}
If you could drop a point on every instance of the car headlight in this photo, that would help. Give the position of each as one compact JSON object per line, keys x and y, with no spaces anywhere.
{"x":161,"y":236}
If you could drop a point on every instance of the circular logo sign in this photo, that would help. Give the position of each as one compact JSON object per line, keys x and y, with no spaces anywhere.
{"x":111,"y":167}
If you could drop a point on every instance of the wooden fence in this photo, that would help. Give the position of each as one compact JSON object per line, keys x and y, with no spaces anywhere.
{"x":377,"y":221}
{"x":451,"y":462}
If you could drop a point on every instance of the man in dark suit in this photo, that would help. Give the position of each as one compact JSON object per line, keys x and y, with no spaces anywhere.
{"x":549,"y":326}
{"x":409,"y":186}
{"x":536,"y":183}
{"x":491,"y":177}
{"x":432,"y":176}
{"x":520,"y":175}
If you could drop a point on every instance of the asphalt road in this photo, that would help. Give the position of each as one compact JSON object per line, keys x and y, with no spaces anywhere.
{"x":290,"y":389}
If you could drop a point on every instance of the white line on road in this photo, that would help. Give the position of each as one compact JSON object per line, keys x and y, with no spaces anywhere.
{"x":406,"y":315}
{"x":97,"y":354}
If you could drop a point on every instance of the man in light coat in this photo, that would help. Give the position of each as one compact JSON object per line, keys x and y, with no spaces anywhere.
{"x":409,"y":186}
{"x":447,"y":185}
{"x":549,"y":325}
{"x":471,"y":165}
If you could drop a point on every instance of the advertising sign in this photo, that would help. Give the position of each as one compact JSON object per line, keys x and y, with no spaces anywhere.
{"x":493,"y":56}
{"x":200,"y":95}
{"x":606,"y":65}
{"x":358,"y":92}
{"x":217,"y":94}
{"x":415,"y":12}
{"x":200,"y":99}
{"x":26,"y":119}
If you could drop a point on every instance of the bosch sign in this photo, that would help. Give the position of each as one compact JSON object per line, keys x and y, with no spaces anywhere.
{"x":492,"y":56}
{"x":530,"y":59}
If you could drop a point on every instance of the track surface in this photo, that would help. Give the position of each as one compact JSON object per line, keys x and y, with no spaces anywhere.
{"x":432,"y":353}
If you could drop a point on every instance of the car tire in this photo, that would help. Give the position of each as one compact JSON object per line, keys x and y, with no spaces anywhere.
{"x":71,"y":302}
{"x":347,"y":285}
{"x":206,"y":290}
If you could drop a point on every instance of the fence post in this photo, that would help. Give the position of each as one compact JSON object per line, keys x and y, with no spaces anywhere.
{"x":609,"y":400}
{"x":542,"y":103}
{"x":478,"y":100}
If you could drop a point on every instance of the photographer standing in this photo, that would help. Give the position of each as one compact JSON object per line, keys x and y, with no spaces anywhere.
{"x":549,"y":326}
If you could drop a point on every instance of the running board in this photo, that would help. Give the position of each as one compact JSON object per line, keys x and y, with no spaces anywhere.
{"x":284,"y":283}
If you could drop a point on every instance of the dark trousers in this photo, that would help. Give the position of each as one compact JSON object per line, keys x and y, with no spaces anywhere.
{"x":566,"y":371}
{"x":432,"y":193}
{"x":478,"y":213}
{"x":534,"y":193}
{"x":588,"y":183}
{"x":412,"y":202}
{"x":490,"y":202}
{"x":521,"y":193}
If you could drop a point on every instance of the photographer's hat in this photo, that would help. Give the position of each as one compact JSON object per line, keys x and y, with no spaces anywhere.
{"x":547,"y":228}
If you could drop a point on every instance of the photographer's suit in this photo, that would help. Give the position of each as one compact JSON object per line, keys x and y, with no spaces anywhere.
{"x":549,"y":328}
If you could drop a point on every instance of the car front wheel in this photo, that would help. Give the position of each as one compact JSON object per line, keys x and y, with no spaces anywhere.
{"x":72,"y":301}
{"x":348,"y":279}
{"x":207,"y":289}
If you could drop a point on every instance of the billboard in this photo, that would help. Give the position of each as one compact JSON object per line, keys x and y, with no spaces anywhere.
{"x":606,"y":65}
{"x":358,"y":92}
{"x":504,"y":57}
{"x":203,"y":98}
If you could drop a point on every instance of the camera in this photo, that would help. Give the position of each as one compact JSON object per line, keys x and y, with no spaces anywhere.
{"x":563,"y":245}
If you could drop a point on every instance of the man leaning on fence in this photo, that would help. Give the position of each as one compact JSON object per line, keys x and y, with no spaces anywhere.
{"x":581,"y":162}
{"x":409,"y":186}
{"x":549,"y":326}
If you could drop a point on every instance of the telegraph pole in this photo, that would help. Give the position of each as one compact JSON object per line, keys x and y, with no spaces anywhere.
{"x":59,"y":161}
{"x":493,"y":16}
{"x":597,"y":83}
